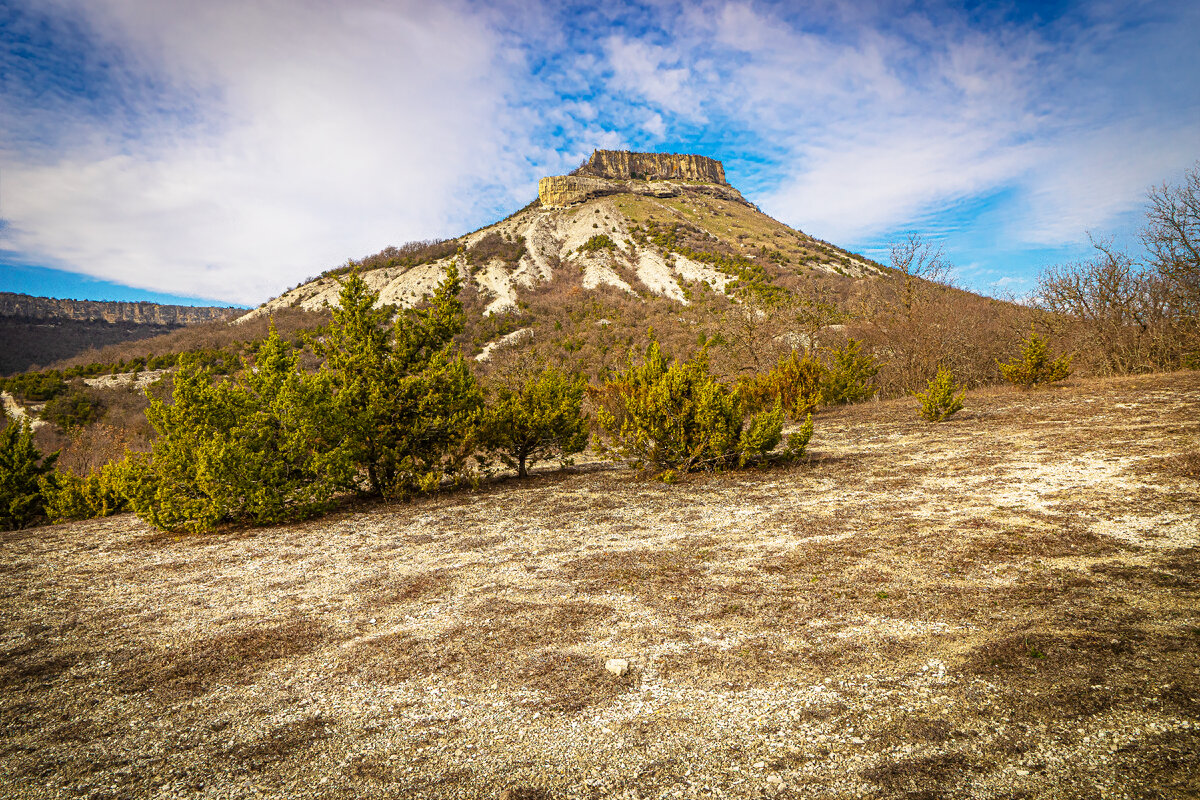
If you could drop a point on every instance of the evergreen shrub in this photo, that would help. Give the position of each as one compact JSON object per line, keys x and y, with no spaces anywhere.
{"x":851,"y":376}
{"x":1035,"y":366}
{"x":943,"y":397}
{"x":794,"y":383}
{"x":665,"y":415}
{"x":21,"y":470}
{"x":540,"y":418}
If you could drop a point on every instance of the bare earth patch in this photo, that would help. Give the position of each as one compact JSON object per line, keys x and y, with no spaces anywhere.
{"x":1003,"y":605}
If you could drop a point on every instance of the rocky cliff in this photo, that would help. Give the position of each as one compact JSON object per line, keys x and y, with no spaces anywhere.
{"x":623,"y":165}
{"x":49,"y":308}
{"x":610,"y":172}
{"x":558,"y":191}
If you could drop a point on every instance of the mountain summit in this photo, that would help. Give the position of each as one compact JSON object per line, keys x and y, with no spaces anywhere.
{"x":653,"y":225}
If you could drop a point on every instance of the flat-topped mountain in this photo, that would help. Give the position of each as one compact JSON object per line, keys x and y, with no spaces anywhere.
{"x":610,"y":172}
{"x":647,"y":224}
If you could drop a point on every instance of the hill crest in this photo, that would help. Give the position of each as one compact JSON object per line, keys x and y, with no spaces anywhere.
{"x":649,"y":224}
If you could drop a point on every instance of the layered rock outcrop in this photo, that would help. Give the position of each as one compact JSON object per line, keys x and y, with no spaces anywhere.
{"x":654,"y":174}
{"x":49,"y":308}
{"x":623,"y":165}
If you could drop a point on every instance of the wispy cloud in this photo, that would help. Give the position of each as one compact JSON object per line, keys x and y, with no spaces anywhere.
{"x":228,"y":149}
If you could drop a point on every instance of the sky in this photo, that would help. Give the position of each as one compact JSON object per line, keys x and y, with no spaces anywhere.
{"x":227,"y":150}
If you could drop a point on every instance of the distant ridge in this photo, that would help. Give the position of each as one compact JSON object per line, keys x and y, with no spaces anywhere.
{"x":116,"y":311}
{"x":41,"y":330}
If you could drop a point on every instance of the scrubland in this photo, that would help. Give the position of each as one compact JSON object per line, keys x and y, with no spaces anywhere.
{"x":1006,"y":604}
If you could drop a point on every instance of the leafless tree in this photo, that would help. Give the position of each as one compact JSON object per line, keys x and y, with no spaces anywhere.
{"x":918,"y":259}
{"x":1172,"y":239}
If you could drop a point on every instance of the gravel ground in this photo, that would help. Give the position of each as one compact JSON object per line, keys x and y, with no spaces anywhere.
{"x":1003,"y":605}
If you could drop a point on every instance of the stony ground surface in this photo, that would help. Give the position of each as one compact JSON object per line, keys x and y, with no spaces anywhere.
{"x":1003,"y":605}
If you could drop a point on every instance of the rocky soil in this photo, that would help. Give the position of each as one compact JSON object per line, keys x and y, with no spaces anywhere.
{"x":1003,"y":605}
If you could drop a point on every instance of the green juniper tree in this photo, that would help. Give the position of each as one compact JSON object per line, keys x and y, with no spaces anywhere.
{"x":850,"y":378}
{"x":667,"y":415}
{"x":21,"y":468}
{"x":541,"y":417}
{"x":259,"y":448}
{"x":942,"y":398}
{"x":406,"y":402}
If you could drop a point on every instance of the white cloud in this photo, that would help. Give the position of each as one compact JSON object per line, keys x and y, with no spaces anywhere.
{"x":255,"y":143}
{"x":324,"y":131}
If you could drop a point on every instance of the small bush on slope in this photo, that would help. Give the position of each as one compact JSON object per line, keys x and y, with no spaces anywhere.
{"x":943,"y":397}
{"x":850,"y":378}
{"x":1035,"y":365}
{"x":794,"y":384}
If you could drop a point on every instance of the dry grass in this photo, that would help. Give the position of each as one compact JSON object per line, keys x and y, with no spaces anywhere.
{"x":1004,"y":605}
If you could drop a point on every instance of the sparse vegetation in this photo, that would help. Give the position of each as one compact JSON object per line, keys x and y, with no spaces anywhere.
{"x":600,"y":241}
{"x":1035,"y":365}
{"x":942,"y":398}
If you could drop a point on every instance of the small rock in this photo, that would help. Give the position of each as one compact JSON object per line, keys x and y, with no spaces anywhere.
{"x":773,"y":778}
{"x":617,"y":666}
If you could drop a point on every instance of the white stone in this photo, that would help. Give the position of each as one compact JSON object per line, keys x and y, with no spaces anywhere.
{"x":617,"y":666}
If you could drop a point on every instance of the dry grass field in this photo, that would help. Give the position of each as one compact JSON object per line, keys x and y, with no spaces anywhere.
{"x":1004,"y":605}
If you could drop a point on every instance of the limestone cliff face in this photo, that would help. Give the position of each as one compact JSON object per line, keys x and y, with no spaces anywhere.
{"x":654,"y":174}
{"x":559,"y":191}
{"x":49,"y":308}
{"x":623,"y":165}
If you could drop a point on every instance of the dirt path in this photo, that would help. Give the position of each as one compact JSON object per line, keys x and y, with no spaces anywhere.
{"x":1004,"y":605}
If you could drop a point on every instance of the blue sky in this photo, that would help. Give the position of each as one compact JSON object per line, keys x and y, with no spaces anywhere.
{"x":227,"y":150}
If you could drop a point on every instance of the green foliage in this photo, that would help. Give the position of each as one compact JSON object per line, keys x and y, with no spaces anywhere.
{"x":35,"y":387}
{"x":666,"y":415}
{"x":75,"y":409}
{"x":99,"y":494}
{"x":797,"y":442}
{"x":259,"y":448}
{"x":1035,"y":364}
{"x":794,"y":383}
{"x":541,"y":418}
{"x":407,"y":404}
{"x":942,"y":398}
{"x":598,"y":242}
{"x":21,"y":468}
{"x":850,"y":378}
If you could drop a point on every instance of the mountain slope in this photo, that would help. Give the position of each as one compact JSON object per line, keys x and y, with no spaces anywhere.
{"x":652,"y":237}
